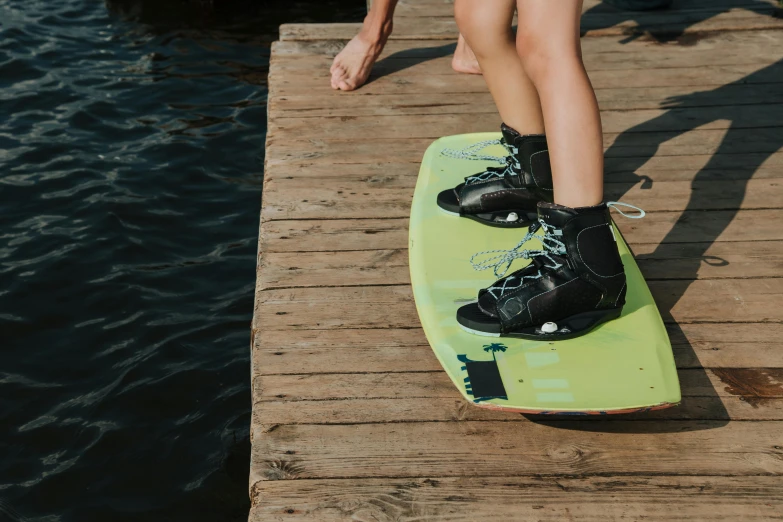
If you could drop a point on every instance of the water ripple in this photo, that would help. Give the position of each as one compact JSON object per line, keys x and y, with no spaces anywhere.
{"x":131,"y":159}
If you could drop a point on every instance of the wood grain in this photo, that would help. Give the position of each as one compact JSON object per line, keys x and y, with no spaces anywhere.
{"x":615,"y":122}
{"x":499,"y":449}
{"x":545,"y":499}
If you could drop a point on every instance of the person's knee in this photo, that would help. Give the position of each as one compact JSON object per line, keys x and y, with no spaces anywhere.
{"x":543,"y":55}
{"x":464,"y":14}
{"x":483,"y":29}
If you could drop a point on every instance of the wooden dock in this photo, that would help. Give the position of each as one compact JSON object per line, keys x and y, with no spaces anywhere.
{"x":353,"y":418}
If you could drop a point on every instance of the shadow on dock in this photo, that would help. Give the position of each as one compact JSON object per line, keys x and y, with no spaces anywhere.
{"x":407,"y":58}
{"x":746,"y":139}
{"x":661,"y":25}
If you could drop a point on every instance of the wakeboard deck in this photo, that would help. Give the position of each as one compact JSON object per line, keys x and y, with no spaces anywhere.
{"x":625,"y":365}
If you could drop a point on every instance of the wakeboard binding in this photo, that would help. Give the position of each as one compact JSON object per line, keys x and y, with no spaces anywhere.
{"x":505,"y":196}
{"x":574,"y":283}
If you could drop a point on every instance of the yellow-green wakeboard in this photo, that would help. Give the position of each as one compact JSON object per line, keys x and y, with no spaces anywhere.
{"x":625,"y":365}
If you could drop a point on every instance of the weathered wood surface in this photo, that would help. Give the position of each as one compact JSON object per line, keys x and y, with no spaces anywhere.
{"x":550,"y":499}
{"x":348,"y":398}
{"x":490,"y":448}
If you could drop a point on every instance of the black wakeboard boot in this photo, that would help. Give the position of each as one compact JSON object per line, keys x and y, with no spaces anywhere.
{"x":505,"y":196}
{"x":575,"y":283}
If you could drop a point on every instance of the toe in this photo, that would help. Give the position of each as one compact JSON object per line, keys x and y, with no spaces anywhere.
{"x":347,"y":85}
{"x":338,"y":74}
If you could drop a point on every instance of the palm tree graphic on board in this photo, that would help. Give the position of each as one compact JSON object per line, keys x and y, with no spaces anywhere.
{"x":495,"y":347}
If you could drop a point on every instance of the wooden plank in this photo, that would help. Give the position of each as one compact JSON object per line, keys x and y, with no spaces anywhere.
{"x":400,"y":175}
{"x":332,"y":105}
{"x":749,"y":148}
{"x":283,"y":352}
{"x":647,"y":153}
{"x":720,"y":45}
{"x":759,"y":259}
{"x":709,"y":301}
{"x":710,"y":166}
{"x":435,"y":126}
{"x":491,"y":448}
{"x":384,"y":234}
{"x":369,"y":267}
{"x":455,"y":409}
{"x":754,"y":383}
{"x":312,"y":60}
{"x":545,"y":499}
{"x":342,"y":235}
{"x":346,"y":198}
{"x":434,"y":58}
{"x":699,"y":79}
{"x":414,"y":62}
{"x":658,"y":262}
{"x":750,"y":142}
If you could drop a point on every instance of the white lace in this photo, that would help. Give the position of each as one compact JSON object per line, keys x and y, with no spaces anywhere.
{"x":472,"y":153}
{"x":617,"y":204}
{"x":500,"y":260}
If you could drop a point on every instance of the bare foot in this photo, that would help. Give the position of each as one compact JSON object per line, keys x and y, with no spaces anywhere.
{"x":464,"y":60}
{"x":353,"y":65}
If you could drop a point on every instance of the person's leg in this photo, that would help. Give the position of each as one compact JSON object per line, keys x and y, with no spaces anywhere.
{"x":548,"y":43}
{"x":577,"y":280}
{"x":352,"y":66}
{"x":464,"y":60}
{"x":486,"y":26}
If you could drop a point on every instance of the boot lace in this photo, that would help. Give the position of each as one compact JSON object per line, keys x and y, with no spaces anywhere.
{"x":472,"y":152}
{"x":500,"y":260}
{"x":552,"y":245}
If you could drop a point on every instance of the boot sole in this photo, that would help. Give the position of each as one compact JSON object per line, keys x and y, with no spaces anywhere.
{"x":568,"y":328}
{"x":531,"y":218}
{"x":447,"y":203}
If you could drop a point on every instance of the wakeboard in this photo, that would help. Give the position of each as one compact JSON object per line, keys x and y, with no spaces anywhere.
{"x":623,"y":366}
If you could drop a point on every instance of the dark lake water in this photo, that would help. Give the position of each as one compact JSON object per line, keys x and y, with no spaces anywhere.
{"x":131,"y":162}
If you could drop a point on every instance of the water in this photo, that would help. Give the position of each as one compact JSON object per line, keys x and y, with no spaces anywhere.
{"x":131,"y":157}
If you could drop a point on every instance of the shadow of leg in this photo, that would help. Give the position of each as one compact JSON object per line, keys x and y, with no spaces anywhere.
{"x":402,"y":60}
{"x":629,"y":153}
